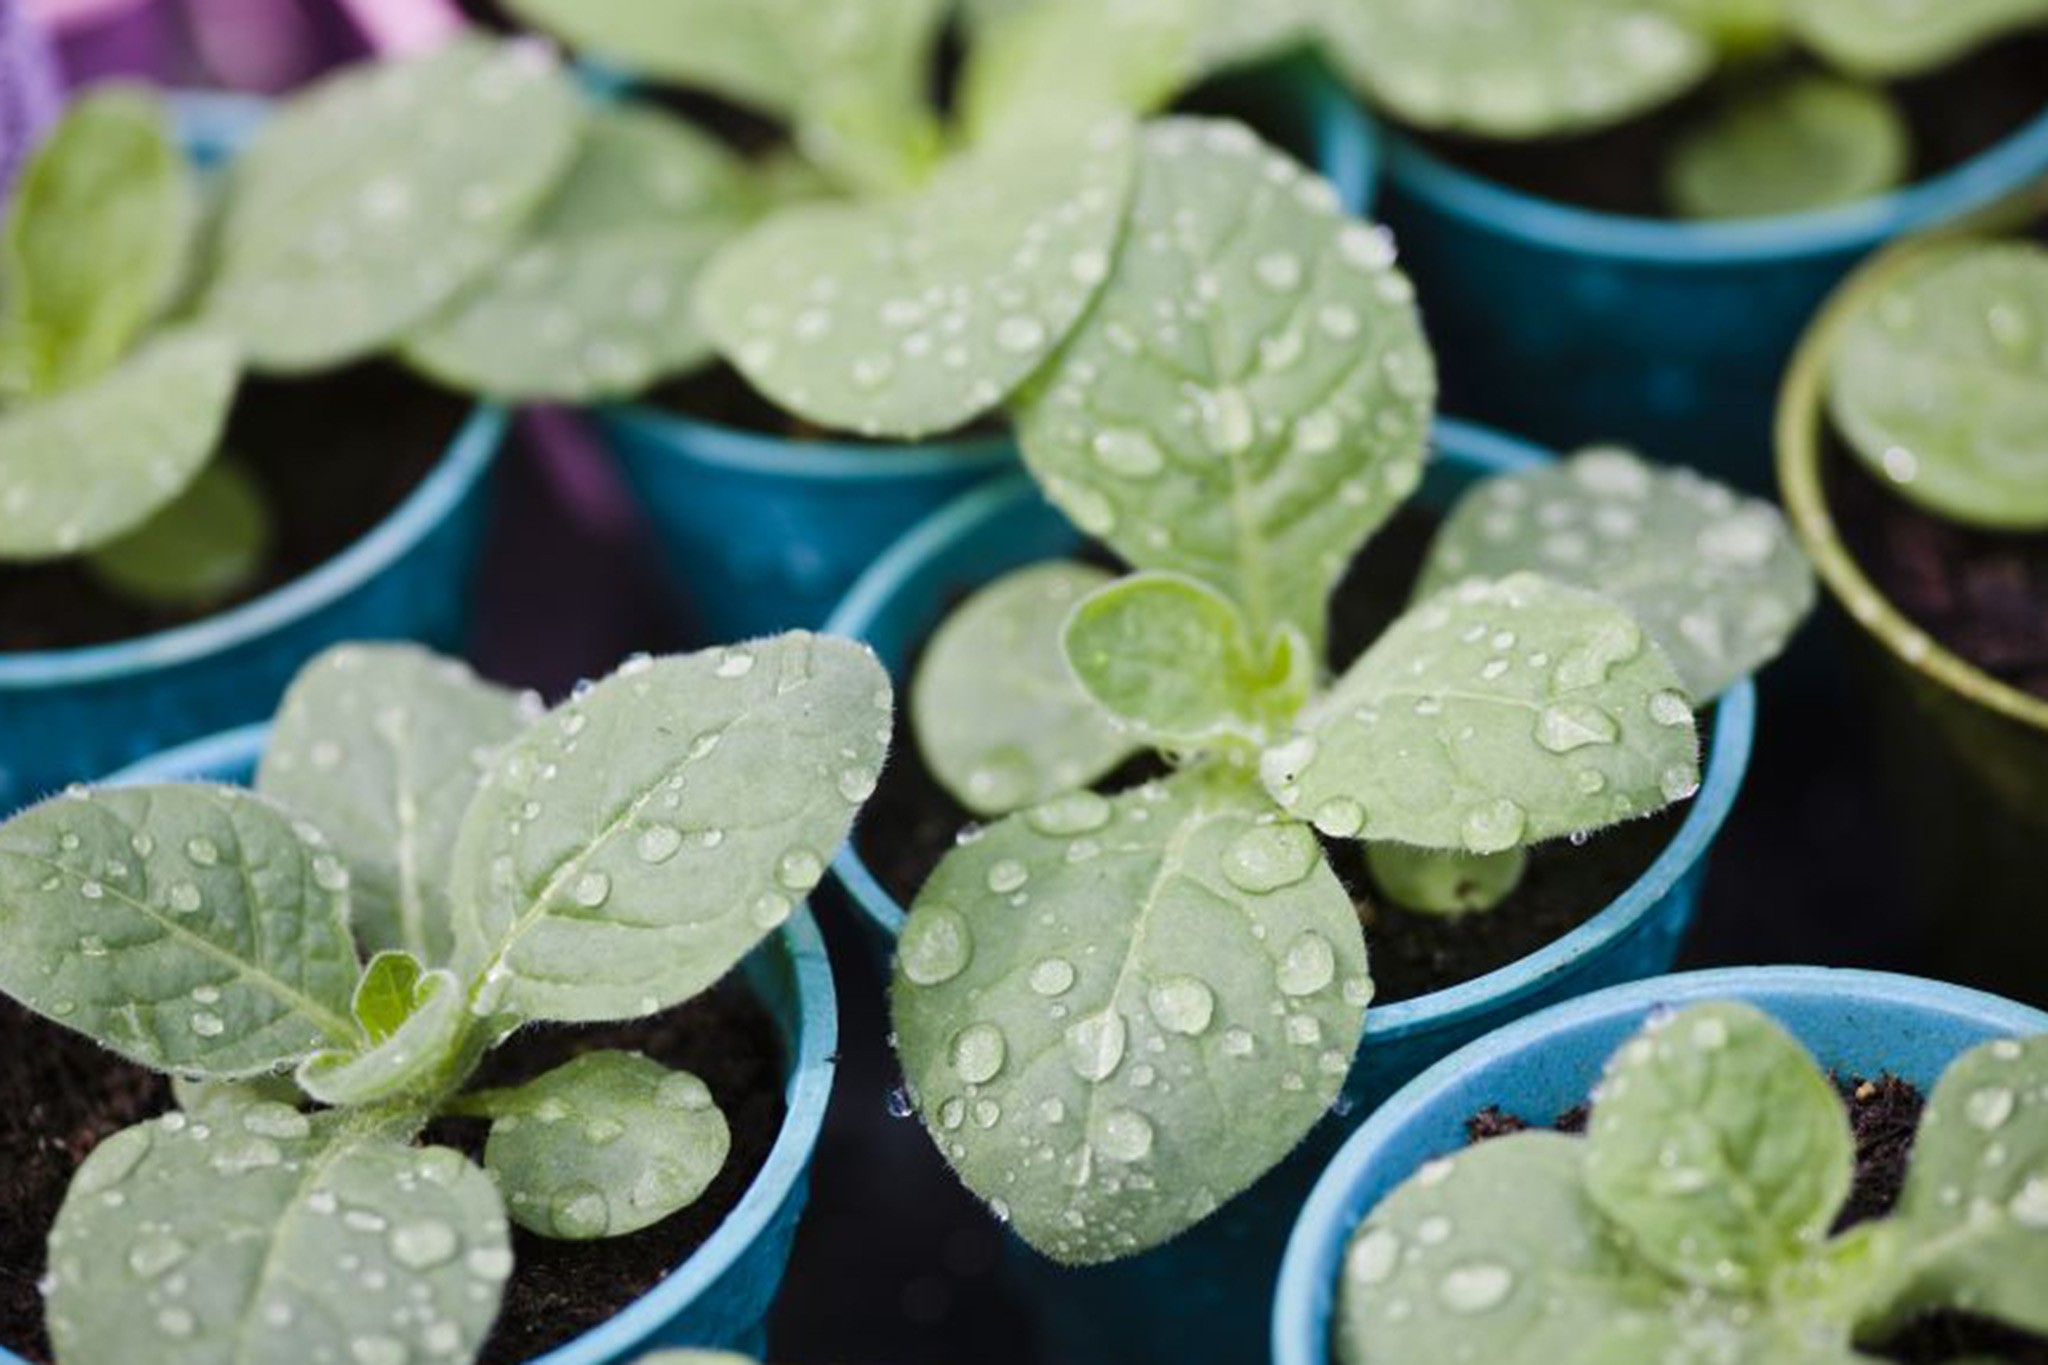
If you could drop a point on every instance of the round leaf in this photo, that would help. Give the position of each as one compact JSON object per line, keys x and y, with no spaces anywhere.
{"x":1716,"y":578}
{"x":1801,"y":143}
{"x":1435,"y":882}
{"x":1907,"y":39}
{"x":375,"y":198}
{"x":1250,"y":397}
{"x":1493,"y":715}
{"x":205,"y":545}
{"x":998,"y":716}
{"x":917,"y":314}
{"x":1091,"y":997}
{"x":1940,"y":383}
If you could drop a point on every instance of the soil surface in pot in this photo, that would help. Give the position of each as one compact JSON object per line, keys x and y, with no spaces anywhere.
{"x":1982,"y":594}
{"x":61,"y":1094}
{"x":333,"y":456}
{"x":911,"y":821}
{"x":1884,"y":1115}
{"x":1954,"y":114}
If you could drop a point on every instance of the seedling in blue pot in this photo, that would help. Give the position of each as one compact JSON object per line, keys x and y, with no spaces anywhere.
{"x":1116,"y":1011}
{"x":1801,"y":116}
{"x":428,"y":865}
{"x":1695,"y":1221}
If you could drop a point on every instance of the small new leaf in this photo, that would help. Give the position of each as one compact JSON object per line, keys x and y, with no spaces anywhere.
{"x":1908,"y":40}
{"x":1797,"y":144}
{"x":1436,"y":882}
{"x":1076,"y":61}
{"x":387,"y":994}
{"x":204,"y":546}
{"x":400,"y":1055}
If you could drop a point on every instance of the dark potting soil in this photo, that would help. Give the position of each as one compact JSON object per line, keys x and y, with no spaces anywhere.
{"x":333,"y":455}
{"x":1884,"y":1115}
{"x":1982,"y":594}
{"x":1954,"y":114}
{"x":911,"y":821}
{"x":61,"y":1094}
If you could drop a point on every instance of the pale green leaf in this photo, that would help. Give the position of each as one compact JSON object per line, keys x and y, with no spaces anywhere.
{"x":375,"y":198}
{"x":414,"y":1055}
{"x":1719,"y":1146}
{"x":203,"y":547}
{"x":1513,"y":70}
{"x":1076,"y":61}
{"x":629,"y":849}
{"x":84,"y":466}
{"x":387,"y":994}
{"x":996,"y":712}
{"x":1939,"y":382}
{"x":191,"y":929}
{"x":213,"y":1100}
{"x":1176,"y":663}
{"x":383,"y":746}
{"x":1495,"y":714}
{"x":1910,"y":38}
{"x":95,"y":242}
{"x":1091,"y":997}
{"x":1438,"y":882}
{"x":603,"y":1145}
{"x":1250,"y":396}
{"x":274,"y":1237}
{"x":1796,"y":144}
{"x":916,"y":314}
{"x":1715,"y":577}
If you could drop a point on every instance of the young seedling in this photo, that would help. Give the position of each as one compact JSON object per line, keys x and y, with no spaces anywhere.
{"x":1693,"y":1222}
{"x":1784,"y":138}
{"x":1095,"y":994}
{"x":426,"y":866}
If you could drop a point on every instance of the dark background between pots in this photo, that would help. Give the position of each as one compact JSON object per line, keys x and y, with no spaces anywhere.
{"x":895,"y":1263}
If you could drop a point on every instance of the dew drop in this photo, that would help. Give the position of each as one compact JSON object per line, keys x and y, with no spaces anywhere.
{"x":1007,"y":875}
{"x":978,"y":1053}
{"x":1266,"y":858}
{"x":680,"y":1090}
{"x":1340,"y":817}
{"x":1669,"y":709}
{"x":421,"y":1246}
{"x":1373,"y":1257}
{"x":936,"y":946}
{"x":1310,"y":965}
{"x":202,"y":851}
{"x":1095,"y":1045}
{"x":658,"y":843}
{"x":1989,"y":1108}
{"x":1075,"y":813}
{"x":1182,"y":1005}
{"x":1568,"y":725}
{"x":1123,"y":1135}
{"x":1052,"y":976}
{"x":580,"y":1213}
{"x":592,"y":890}
{"x":799,"y":869}
{"x":1493,"y":826}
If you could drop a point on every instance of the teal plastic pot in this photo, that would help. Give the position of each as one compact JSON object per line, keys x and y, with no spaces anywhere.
{"x":1856,"y":1023}
{"x":67,"y":715}
{"x":762,"y":533}
{"x":720,"y":1296}
{"x":1574,"y":326}
{"x":1205,"y":1295}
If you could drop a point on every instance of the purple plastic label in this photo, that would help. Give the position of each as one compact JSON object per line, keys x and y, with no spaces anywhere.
{"x":28,"y":89}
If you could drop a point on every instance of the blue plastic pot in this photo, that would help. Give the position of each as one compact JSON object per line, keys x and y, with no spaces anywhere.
{"x":1575,"y":326}
{"x":1205,"y":1296}
{"x":762,"y":533}
{"x":67,"y":715}
{"x":1859,"y":1023}
{"x":720,"y":1296}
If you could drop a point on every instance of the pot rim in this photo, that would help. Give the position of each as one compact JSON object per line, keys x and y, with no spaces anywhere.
{"x":970,"y":516}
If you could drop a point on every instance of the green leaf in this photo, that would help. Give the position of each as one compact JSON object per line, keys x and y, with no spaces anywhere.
{"x":276,"y":1237}
{"x":1497,"y":1255}
{"x":95,"y":242}
{"x":191,"y":929}
{"x":628,"y":850}
{"x":214,"y":1100}
{"x":1090,"y":998}
{"x":383,"y":746}
{"x":601,"y":1146}
{"x":1175,"y":661}
{"x":85,"y":466}
{"x":1076,"y":62}
{"x":414,"y":1054}
{"x":1974,"y":1212}
{"x":1518,"y":70}
{"x":1250,"y":396}
{"x":374,"y":199}
{"x":594,"y":303}
{"x":1719,"y":1146}
{"x":1798,"y":143}
{"x":1940,"y":382}
{"x":1908,"y":39}
{"x":387,"y":994}
{"x":1496,"y":714}
{"x":916,"y":314}
{"x":1716,"y":578}
{"x":1435,"y":882}
{"x":997,"y":714}
{"x":204,"y":546}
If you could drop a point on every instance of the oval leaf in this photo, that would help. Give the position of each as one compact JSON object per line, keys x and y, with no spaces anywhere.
{"x":1087,"y":1064}
{"x":409,"y":1054}
{"x":274,"y":1236}
{"x":383,"y":746}
{"x":1250,"y":397}
{"x":1436,"y":882}
{"x":628,"y":850}
{"x":191,"y":929}
{"x":1716,"y":578}
{"x":998,"y":716}
{"x":83,"y":467}
{"x":1076,"y":61}
{"x":1801,"y":143}
{"x":375,"y":198}
{"x":917,"y":314}
{"x":601,"y":1146}
{"x":1907,"y":39}
{"x":1940,"y":383}
{"x":204,"y":546}
{"x":1494,"y":715}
